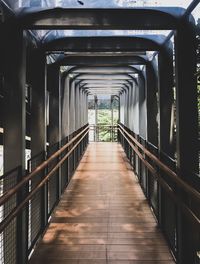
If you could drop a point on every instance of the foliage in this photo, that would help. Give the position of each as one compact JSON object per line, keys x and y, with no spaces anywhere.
{"x":198,"y":98}
{"x":198,"y":66}
{"x":102,"y":104}
{"x":90,"y":103}
{"x":104,"y":118}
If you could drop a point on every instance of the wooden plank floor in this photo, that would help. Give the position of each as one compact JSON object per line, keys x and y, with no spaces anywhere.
{"x":103,"y":217}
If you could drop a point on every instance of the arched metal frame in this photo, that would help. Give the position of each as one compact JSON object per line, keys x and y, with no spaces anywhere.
{"x":14,"y":68}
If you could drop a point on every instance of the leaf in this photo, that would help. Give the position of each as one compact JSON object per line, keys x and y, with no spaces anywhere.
{"x":80,"y":2}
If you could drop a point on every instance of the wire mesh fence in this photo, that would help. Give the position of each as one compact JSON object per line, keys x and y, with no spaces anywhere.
{"x":27,"y":201}
{"x":172,"y":200}
{"x":8,"y":245}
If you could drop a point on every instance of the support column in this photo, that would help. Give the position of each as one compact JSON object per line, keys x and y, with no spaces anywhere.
{"x":186,"y":102}
{"x":72,"y":107}
{"x":142,"y":126}
{"x":130,"y":118}
{"x":142,"y":105}
{"x":78,"y":106}
{"x":54,"y":105}
{"x":135,"y":106}
{"x":14,"y":137}
{"x":65,"y":107}
{"x":165,"y":64}
{"x":126,"y":107}
{"x":54,"y":130}
{"x":72,"y":121}
{"x":122,"y":107}
{"x":86,"y":108}
{"x":64,"y":125}
{"x":165,"y":205}
{"x":39,"y":203}
{"x":152,"y":126}
{"x":96,"y":118}
{"x":112,"y":117}
{"x":187,"y":130}
{"x":38,"y":106}
{"x":152,"y":105}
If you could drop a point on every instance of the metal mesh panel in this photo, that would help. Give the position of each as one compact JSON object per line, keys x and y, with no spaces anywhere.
{"x":53,"y":181}
{"x":169,"y":221}
{"x":35,"y":218}
{"x":153,"y":193}
{"x":36,"y":208}
{"x":35,"y":204}
{"x":8,"y":236}
{"x":9,"y":241}
{"x":195,"y":232}
{"x":169,"y":209}
{"x":193,"y":235}
{"x":169,"y":214}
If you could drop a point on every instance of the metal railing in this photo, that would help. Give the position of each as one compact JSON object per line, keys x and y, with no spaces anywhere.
{"x":34,"y":197}
{"x":172,"y":199}
{"x":103,"y":133}
{"x":31,"y":200}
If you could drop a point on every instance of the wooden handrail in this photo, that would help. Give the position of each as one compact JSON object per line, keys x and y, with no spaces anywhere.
{"x":8,"y":194}
{"x":19,"y":207}
{"x":165,"y":168}
{"x":164,"y":184}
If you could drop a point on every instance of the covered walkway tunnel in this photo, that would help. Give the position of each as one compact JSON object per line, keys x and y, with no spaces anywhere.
{"x":77,"y":185}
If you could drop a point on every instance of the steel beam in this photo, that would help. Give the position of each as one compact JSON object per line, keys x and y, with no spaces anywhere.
{"x":132,"y":18}
{"x":115,"y":59}
{"x":101,"y":44}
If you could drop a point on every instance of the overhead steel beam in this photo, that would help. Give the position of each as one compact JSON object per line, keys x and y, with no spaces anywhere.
{"x":117,"y":70}
{"x":105,"y":53}
{"x":119,"y":45}
{"x":84,"y":85}
{"x":100,"y":93}
{"x":104,"y":76}
{"x":102,"y":86}
{"x":106,"y":44}
{"x":105,"y":69}
{"x":106,"y":92}
{"x":83,"y":71}
{"x":81,"y":60}
{"x":95,"y":76}
{"x":118,"y":18}
{"x":99,"y":82}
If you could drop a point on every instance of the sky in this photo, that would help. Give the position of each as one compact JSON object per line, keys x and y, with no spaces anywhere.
{"x":98,"y":3}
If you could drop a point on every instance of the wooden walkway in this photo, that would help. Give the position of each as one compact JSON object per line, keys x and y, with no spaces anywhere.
{"x":103,"y":217}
